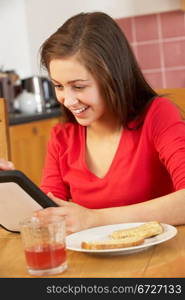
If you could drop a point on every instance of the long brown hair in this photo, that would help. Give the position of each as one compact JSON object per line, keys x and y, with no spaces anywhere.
{"x":103,"y":49}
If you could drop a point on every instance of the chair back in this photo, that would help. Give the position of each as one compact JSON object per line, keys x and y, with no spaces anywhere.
{"x":4,"y":131}
{"x":177,"y":95}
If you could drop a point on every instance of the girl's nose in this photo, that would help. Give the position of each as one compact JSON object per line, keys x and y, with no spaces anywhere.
{"x":69,"y":100}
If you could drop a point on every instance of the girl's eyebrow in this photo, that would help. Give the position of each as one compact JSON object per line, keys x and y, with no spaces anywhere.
{"x":71,"y":81}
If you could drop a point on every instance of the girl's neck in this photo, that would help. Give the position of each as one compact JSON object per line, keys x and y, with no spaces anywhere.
{"x":103,"y":129}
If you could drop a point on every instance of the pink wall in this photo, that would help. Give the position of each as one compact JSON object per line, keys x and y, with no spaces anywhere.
{"x":158,"y":41}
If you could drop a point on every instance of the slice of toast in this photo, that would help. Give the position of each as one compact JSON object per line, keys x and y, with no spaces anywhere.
{"x":113,"y":243}
{"x":146,"y":230}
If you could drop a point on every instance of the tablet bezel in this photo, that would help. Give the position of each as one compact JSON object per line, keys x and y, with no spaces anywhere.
{"x":28,"y":186}
{"x":24,"y":183}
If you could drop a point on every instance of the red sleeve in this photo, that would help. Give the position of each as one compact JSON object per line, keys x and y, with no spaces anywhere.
{"x":168,"y":133}
{"x":52,"y":174}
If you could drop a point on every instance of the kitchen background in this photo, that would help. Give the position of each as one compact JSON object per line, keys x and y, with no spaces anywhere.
{"x":158,"y":41}
{"x":155,"y":29}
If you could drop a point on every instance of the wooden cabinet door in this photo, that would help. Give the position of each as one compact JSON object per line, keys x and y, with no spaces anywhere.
{"x":183,"y":4}
{"x":28,"y":146}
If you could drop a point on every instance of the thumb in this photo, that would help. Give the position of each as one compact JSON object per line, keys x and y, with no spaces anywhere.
{"x":58,"y":201}
{"x":50,"y":195}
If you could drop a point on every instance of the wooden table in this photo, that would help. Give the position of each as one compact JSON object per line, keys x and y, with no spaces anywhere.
{"x":164,"y":260}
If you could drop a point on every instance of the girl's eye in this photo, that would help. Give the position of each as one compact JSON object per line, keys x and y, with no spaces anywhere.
{"x":79,"y":87}
{"x":58,"y":86}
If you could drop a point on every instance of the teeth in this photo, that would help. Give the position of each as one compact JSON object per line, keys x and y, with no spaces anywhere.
{"x":78,"y":111}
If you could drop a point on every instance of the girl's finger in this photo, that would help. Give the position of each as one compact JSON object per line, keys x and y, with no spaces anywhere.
{"x":6,"y":165}
{"x":55,"y":211}
{"x":58,"y":201}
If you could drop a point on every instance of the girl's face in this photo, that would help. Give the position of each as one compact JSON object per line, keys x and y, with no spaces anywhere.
{"x":77,"y":90}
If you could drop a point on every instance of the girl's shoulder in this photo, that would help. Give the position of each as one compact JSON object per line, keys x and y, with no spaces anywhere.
{"x":65,"y":130}
{"x":162,"y":107}
{"x":162,"y":113}
{"x":157,"y":111}
{"x":65,"y":135}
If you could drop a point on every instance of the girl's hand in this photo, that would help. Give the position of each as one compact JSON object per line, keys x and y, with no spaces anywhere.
{"x":77,"y":217}
{"x":6,"y":165}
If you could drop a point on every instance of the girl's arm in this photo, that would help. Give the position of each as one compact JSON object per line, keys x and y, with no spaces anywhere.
{"x":169,"y":209}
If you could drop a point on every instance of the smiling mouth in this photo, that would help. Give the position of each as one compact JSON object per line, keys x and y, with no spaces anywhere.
{"x":79,"y":111}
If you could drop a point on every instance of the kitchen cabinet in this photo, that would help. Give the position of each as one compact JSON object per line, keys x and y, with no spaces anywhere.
{"x":28,"y":143}
{"x":183,"y":4}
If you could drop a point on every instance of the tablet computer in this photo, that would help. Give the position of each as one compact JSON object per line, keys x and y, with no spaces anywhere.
{"x":19,"y":198}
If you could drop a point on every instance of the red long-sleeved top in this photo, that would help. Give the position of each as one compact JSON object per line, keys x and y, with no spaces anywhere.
{"x":149,"y":162}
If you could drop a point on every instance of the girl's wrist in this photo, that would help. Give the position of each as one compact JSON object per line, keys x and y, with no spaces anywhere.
{"x":95,"y":218}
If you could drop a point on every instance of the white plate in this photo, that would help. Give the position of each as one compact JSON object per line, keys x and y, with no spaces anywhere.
{"x":73,"y":241}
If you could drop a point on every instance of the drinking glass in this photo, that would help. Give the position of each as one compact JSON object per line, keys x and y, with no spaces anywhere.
{"x":44,"y":244}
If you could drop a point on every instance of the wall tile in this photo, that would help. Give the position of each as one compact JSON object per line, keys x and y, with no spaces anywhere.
{"x":175,"y":78}
{"x":174,"y":53}
{"x":146,"y":28}
{"x":154,"y":79}
{"x":173,"y":24}
{"x":149,"y":56}
{"x":158,"y":42}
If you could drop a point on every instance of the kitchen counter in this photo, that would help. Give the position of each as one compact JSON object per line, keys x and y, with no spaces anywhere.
{"x":21,"y":118}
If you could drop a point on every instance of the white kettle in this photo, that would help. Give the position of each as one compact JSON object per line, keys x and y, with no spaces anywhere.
{"x":26,"y":103}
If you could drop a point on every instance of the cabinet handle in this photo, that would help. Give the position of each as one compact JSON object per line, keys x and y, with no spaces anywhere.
{"x":35,"y":130}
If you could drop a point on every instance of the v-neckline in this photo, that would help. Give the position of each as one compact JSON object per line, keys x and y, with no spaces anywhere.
{"x":93,"y":175}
